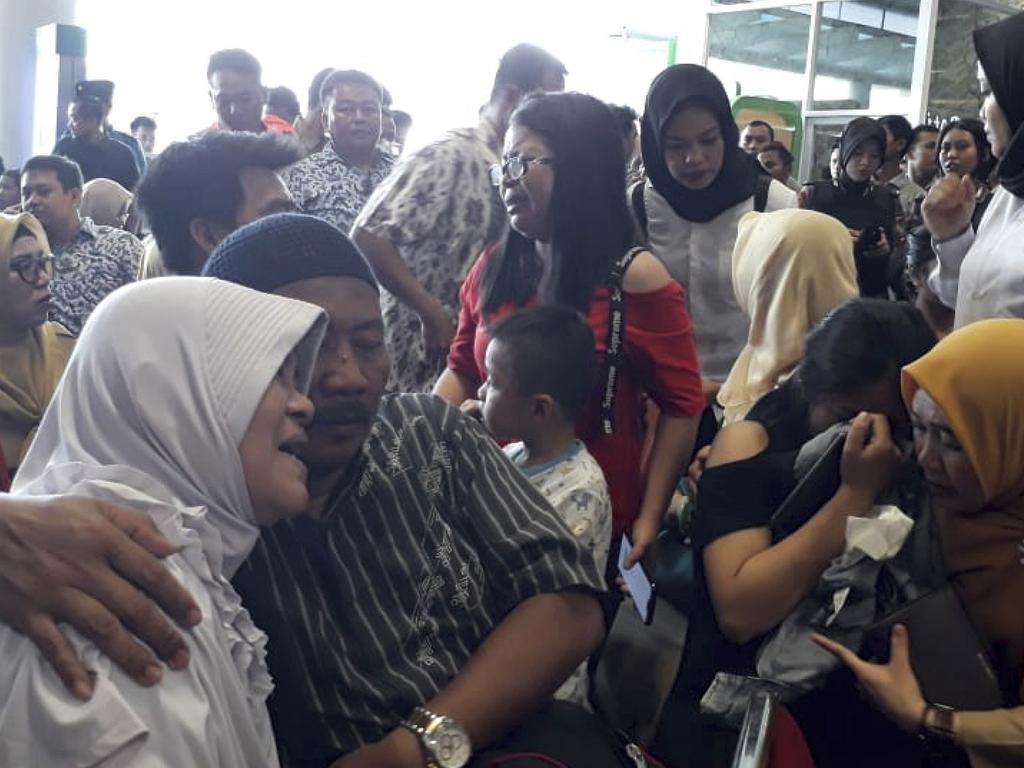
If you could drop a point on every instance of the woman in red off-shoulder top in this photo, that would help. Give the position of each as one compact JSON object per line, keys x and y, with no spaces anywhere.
{"x":563,"y":184}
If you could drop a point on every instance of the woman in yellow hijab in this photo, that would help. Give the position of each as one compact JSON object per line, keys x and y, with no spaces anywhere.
{"x":790,"y":268}
{"x":33,"y":351}
{"x":967,"y":404}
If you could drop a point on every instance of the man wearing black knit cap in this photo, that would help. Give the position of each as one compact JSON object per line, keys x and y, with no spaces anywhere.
{"x":430,"y":588}
{"x":426,"y":539}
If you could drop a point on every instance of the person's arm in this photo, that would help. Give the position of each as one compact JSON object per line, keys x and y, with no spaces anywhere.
{"x":995,"y":736}
{"x":947,"y":212}
{"x":394,"y":275}
{"x":753,"y":584}
{"x":660,"y":343}
{"x":537,"y":569}
{"x":454,"y":387}
{"x":674,"y":437}
{"x":93,"y":565}
{"x":516,"y":669}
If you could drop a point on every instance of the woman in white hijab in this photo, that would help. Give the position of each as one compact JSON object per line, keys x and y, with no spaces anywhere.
{"x":183,"y":398}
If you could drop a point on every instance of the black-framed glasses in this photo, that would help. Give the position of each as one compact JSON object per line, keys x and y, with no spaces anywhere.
{"x":31,"y":268}
{"x":514,"y":168}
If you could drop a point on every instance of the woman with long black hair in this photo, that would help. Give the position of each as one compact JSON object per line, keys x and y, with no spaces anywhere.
{"x":572,"y":243}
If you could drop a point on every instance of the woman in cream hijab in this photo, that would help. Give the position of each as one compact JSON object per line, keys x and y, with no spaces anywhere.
{"x":33,"y":352}
{"x":967,"y":404}
{"x":194,"y":422}
{"x":789,"y":269}
{"x":106,"y":202}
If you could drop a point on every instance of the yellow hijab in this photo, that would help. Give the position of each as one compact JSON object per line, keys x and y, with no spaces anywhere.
{"x":31,"y":361}
{"x":976,"y":377}
{"x":789,"y":269}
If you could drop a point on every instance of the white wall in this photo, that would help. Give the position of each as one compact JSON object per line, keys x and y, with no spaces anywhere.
{"x":18,"y":22}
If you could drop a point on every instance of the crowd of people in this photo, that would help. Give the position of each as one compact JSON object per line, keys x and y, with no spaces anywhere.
{"x":318,"y":453}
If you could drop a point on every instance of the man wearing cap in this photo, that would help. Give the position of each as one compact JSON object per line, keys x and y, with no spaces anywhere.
{"x":430,"y":589}
{"x":104,"y":91}
{"x":98,"y":155}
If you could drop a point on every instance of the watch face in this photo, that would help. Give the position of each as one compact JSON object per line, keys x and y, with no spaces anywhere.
{"x":449,"y":745}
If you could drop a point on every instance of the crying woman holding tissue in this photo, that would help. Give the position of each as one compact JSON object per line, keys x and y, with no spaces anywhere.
{"x":966,"y":400}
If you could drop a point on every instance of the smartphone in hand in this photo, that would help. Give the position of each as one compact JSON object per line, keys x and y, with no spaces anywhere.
{"x":640,"y":584}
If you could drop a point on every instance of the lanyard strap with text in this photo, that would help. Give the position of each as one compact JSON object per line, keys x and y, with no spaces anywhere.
{"x":614,"y":356}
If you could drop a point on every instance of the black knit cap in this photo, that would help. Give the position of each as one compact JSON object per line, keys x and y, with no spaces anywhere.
{"x":285,"y":248}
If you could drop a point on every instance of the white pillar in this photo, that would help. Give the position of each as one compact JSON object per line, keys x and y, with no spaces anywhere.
{"x":18,"y":22}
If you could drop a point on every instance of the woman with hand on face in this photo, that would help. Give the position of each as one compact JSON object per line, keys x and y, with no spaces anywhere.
{"x":867,"y":209}
{"x":700,"y":184}
{"x":195,"y":423}
{"x":964,"y":150}
{"x":33,"y":351}
{"x":980,"y":273}
{"x":967,"y":405}
{"x":572,"y":243}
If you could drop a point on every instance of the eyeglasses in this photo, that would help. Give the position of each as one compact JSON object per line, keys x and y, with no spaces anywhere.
{"x":31,"y":268}
{"x":515,"y":167}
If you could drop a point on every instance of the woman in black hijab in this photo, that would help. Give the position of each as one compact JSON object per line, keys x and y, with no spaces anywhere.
{"x":700,"y":184}
{"x":867,"y":209}
{"x":980,"y":271}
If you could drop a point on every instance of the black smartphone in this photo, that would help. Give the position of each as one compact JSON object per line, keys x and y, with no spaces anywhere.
{"x":812,"y":492}
{"x":641,"y":585}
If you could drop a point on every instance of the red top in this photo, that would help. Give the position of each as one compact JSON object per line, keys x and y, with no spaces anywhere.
{"x":661,"y":361}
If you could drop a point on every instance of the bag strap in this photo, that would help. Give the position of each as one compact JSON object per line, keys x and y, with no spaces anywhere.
{"x":764,"y":183}
{"x":614,"y":356}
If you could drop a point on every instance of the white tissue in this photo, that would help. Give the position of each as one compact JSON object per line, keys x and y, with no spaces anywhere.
{"x":879,"y":535}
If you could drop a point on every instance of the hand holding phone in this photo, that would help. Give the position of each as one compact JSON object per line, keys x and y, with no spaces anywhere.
{"x":639,"y":583}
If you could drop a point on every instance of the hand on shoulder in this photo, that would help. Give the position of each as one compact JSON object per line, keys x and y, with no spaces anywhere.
{"x":646,"y":274}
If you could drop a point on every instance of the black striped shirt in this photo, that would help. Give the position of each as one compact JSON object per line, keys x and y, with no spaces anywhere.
{"x":432,"y":538}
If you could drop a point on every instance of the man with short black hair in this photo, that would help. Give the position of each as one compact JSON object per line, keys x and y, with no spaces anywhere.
{"x":144,"y":130}
{"x":98,"y":155}
{"x":426,"y":224}
{"x":923,"y":155}
{"x":310,"y":127}
{"x":237,"y":94}
{"x":90,"y":260}
{"x":335,"y":183}
{"x":196,"y":193}
{"x":778,"y":161}
{"x":899,"y":135}
{"x":282,"y":102}
{"x":755,"y":136}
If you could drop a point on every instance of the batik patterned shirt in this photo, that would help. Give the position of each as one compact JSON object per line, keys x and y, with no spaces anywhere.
{"x":431,"y":538}
{"x":97,"y":261}
{"x":440,"y":212}
{"x":325,"y":186}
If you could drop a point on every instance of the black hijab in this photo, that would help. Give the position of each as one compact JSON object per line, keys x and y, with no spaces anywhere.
{"x":1000,"y":50}
{"x":856,"y":134}
{"x":680,"y":86}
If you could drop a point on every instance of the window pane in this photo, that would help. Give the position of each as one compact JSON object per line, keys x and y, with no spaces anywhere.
{"x":865,"y":56}
{"x":953,"y":91}
{"x":761,"y":53}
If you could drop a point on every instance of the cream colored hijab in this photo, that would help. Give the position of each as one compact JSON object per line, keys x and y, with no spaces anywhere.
{"x":789,"y":269}
{"x":105,"y":202}
{"x":31,"y":360}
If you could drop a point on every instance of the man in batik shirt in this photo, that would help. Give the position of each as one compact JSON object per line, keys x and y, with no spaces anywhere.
{"x":426,"y":224}
{"x":89,"y":260}
{"x":335,"y":183}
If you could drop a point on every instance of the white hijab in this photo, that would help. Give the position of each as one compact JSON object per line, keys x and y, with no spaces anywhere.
{"x":164,"y":381}
{"x":156,"y":398}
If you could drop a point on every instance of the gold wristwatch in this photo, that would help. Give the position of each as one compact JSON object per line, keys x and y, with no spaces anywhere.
{"x":445,"y":742}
